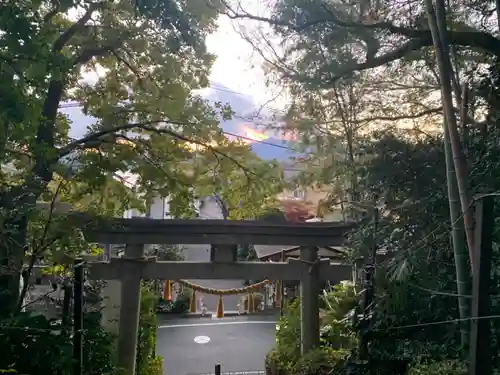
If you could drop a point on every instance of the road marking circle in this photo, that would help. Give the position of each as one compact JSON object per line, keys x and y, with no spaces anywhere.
{"x":201,"y":339}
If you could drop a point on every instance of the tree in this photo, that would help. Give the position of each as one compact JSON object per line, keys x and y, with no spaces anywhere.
{"x":436,"y":45}
{"x":370,"y":28}
{"x":148,"y":58}
{"x":457,"y":179}
{"x":328,"y":43}
{"x":330,"y":122}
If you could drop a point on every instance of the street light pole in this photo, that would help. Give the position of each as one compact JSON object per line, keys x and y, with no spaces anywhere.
{"x":282,"y":287}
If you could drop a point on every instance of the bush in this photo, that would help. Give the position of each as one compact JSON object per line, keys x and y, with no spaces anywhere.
{"x":179,"y":306}
{"x":277,"y":363}
{"x":147,"y":362}
{"x":450,"y":367}
{"x":32,"y":344}
{"x":154,"y":366}
{"x":321,"y":361}
{"x":282,"y":359}
{"x":338,"y":301}
{"x":445,"y":367}
{"x":29,"y":344}
{"x":336,"y":330}
{"x":337,"y":337}
{"x":181,"y":303}
{"x":288,"y":331}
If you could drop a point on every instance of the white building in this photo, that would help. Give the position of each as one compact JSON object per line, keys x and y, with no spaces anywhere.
{"x":211,"y":207}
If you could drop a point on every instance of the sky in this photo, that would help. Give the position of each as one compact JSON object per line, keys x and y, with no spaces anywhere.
{"x":238,"y":66}
{"x":237,"y":78}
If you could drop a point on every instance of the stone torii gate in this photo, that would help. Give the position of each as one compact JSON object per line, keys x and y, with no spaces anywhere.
{"x":223,"y":235}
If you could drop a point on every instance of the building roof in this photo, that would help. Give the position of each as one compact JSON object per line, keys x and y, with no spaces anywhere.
{"x":264,"y":252}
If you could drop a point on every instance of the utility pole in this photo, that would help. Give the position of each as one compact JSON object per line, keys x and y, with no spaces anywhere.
{"x":480,"y":332}
{"x":282,"y":291}
{"x":368,"y":287}
{"x":78,"y":317}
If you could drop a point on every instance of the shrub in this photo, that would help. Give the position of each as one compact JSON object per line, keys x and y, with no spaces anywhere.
{"x":179,"y":306}
{"x":321,"y":361}
{"x":147,"y":362}
{"x":98,"y":346}
{"x":449,"y":367}
{"x":336,"y":330}
{"x":288,"y":331}
{"x":337,"y":337}
{"x":338,"y":301}
{"x":154,"y":366}
{"x":181,"y":303}
{"x":32,"y":344}
{"x":277,"y":363}
{"x":29,"y":344}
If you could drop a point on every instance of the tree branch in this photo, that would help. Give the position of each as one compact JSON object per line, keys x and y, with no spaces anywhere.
{"x":95,"y":138}
{"x":418,"y":38}
{"x":88,"y":54}
{"x":52,"y":12}
{"x":402,"y":117}
{"x":151,"y":160}
{"x":65,"y":37}
{"x":375,"y":62}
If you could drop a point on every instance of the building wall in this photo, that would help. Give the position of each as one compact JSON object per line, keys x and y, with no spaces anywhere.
{"x":208,"y":208}
{"x":159,"y":209}
{"x":308,"y":197}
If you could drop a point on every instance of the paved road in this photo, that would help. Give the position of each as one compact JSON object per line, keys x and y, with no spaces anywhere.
{"x":201,"y":253}
{"x":194,"y":345}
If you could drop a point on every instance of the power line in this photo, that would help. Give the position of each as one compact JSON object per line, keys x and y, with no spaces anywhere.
{"x":78,"y":105}
{"x":442,"y":322}
{"x":211,"y":87}
{"x":224,"y":89}
{"x":257,"y":141}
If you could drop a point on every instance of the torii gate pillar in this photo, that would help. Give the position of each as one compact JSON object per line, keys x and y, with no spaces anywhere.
{"x":224,"y":235}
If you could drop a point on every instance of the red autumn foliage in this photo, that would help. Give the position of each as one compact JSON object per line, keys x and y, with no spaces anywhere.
{"x":297,"y":211}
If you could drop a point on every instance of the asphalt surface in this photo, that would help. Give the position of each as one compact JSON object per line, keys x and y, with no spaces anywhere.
{"x":201,"y":253}
{"x":192,"y":346}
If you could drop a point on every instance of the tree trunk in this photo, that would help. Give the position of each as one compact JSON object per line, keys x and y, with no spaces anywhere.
{"x":12,"y":246}
{"x":444,"y":65}
{"x":353,"y":194}
{"x":17,"y":203}
{"x":458,"y":243}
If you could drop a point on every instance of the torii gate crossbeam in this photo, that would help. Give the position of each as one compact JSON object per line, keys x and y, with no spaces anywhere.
{"x":223,"y":234}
